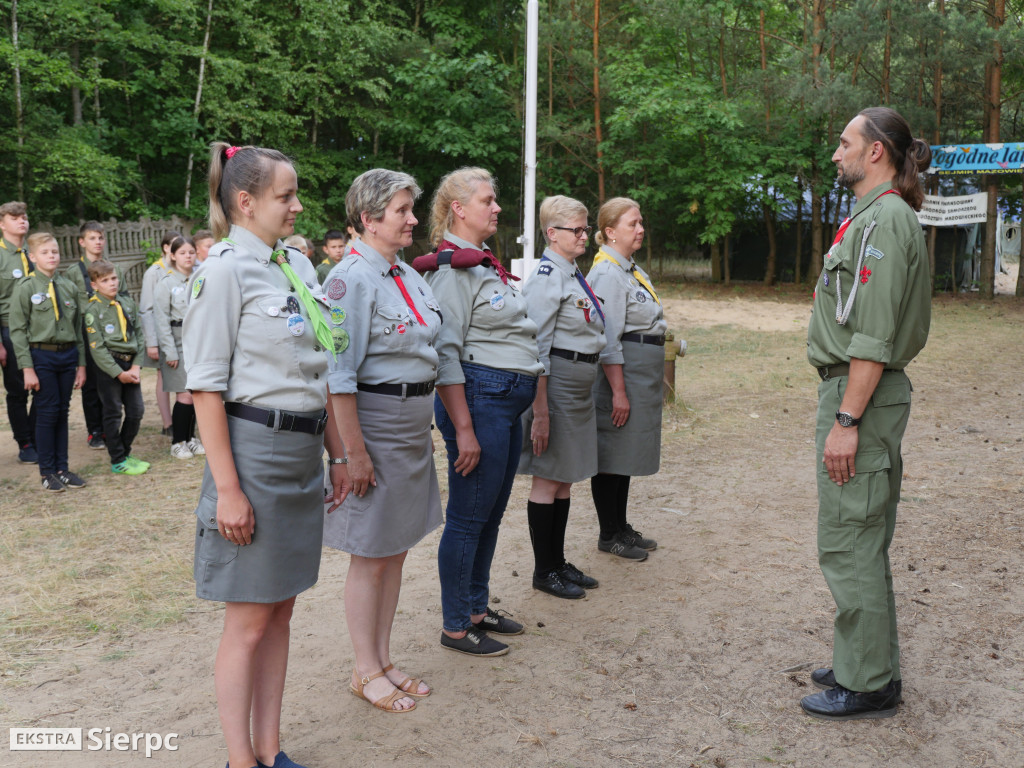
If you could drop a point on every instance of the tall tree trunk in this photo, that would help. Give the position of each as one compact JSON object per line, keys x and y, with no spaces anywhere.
{"x":769,"y":224}
{"x":716,"y":261}
{"x":993,"y":106}
{"x":887,"y":55}
{"x":597,"y":101}
{"x":726,"y":277}
{"x":198,"y":104}
{"x":76,"y":91}
{"x":799,"y":231}
{"x":19,"y":110}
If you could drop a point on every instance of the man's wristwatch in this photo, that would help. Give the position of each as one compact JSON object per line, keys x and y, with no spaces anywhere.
{"x":846,"y":420}
{"x":338,"y":461}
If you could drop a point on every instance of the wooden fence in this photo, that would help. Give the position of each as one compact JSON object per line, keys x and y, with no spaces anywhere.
{"x":128,"y":244}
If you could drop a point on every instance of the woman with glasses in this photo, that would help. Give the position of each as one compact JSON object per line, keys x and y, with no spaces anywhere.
{"x":560,"y":429}
{"x":627,"y":394}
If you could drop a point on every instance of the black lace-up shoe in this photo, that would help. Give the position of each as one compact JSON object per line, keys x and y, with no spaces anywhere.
{"x":630,"y":536}
{"x":553,"y":584}
{"x":499,"y":622}
{"x":841,"y":704}
{"x":570,"y":572}
{"x":474,"y":643}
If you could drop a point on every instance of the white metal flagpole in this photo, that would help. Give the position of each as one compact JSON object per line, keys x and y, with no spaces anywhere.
{"x":530,"y":145}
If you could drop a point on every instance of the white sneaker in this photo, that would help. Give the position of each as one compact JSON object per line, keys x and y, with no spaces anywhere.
{"x":196,"y":447}
{"x":181,"y":451}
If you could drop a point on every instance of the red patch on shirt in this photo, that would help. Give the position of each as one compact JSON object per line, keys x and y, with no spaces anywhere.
{"x":865,"y":273}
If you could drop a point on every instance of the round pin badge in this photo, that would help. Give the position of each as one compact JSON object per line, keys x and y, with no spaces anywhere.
{"x":293,"y":305}
{"x":497,"y":302}
{"x":38,"y":298}
{"x":296,"y":325}
{"x":387,"y":330}
{"x":641,"y":297}
{"x":633,"y":283}
{"x":17,"y":273}
{"x":401,"y":328}
{"x":336,"y":289}
{"x":340,"y":336}
{"x":108,"y":328}
{"x":337,"y":315}
{"x":274,"y":311}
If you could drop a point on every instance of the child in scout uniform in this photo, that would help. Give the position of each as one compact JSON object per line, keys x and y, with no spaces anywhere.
{"x":156,"y":270}
{"x":14,"y":265}
{"x":91,"y":239}
{"x":334,"y":247}
{"x":170,"y":300}
{"x":204,"y":241}
{"x":114,"y":338}
{"x":46,"y":334}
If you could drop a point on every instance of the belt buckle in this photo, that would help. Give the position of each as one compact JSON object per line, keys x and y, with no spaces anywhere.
{"x":321,"y":423}
{"x":823,"y":373}
{"x":287,"y":422}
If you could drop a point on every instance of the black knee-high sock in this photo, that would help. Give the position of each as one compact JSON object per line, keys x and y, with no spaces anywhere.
{"x":559,"y":520}
{"x":540,"y":517}
{"x":623,"y":502}
{"x":604,"y":489}
{"x":191,"y":420}
{"x":181,"y":414}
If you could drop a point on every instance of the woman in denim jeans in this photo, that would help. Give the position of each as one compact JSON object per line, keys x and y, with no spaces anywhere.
{"x":486,"y":379}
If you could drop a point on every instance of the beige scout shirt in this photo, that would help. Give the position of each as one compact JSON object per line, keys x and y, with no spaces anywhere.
{"x":485,"y":321}
{"x":628,"y":307}
{"x":566,"y":317}
{"x":239,"y":335}
{"x":890,"y":311}
{"x":383,"y":342}
{"x":149,"y":280}
{"x":170,"y":302}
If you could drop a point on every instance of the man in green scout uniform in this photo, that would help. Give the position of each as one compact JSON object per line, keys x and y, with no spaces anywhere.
{"x":92,"y":239}
{"x":14,"y":266}
{"x":871,"y":316}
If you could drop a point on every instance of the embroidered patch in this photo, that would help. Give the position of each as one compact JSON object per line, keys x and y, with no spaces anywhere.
{"x":90,"y":329}
{"x":544,"y":269}
{"x":337,"y":315}
{"x":340,"y":337}
{"x":865,"y":274}
{"x":336,"y":289}
{"x":89,"y":319}
{"x":197,"y":286}
{"x":872,"y":251}
{"x":826,"y":280}
{"x":641,"y":297}
{"x":92,"y":345}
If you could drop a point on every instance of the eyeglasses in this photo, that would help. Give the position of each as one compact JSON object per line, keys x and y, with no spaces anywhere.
{"x":577,"y":231}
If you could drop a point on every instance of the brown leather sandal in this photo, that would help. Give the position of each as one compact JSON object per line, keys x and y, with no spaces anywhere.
{"x":410,"y":686}
{"x":387,"y":702}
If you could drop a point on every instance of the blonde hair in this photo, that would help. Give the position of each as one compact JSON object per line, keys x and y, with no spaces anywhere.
{"x":38,"y":239}
{"x":610,"y":213}
{"x":558,"y":209}
{"x":457,"y":185}
{"x":249,"y":169}
{"x":296,"y":241}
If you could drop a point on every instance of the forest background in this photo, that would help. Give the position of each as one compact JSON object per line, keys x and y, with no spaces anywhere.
{"x":719,"y":117}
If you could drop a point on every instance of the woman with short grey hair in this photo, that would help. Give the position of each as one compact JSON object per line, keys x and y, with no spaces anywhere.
{"x":384,"y":321}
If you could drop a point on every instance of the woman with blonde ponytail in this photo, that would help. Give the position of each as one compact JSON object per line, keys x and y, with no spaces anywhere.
{"x":255,"y":340}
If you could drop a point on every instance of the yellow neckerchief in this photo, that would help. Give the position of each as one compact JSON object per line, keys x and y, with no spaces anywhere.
{"x":21,"y":252}
{"x":122,"y":321}
{"x":51,"y":291}
{"x":603,"y":256}
{"x":327,"y":260}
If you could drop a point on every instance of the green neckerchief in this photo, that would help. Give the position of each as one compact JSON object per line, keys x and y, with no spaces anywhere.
{"x":320,"y":328}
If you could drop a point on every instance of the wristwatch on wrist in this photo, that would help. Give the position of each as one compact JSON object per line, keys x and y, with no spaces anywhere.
{"x":338,"y":461}
{"x":846,"y":420}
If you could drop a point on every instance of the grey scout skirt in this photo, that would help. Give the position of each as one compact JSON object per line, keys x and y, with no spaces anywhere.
{"x":405,"y":505}
{"x":635,"y":448}
{"x":571,"y":455}
{"x":174,"y":378}
{"x":281,"y":475}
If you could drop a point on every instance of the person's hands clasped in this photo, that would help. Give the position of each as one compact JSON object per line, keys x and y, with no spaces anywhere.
{"x":620,"y":409}
{"x":540,"y":432}
{"x":342,"y":484}
{"x":360,"y":472}
{"x":840,"y":449}
{"x":235,"y":518}
{"x":469,"y":451}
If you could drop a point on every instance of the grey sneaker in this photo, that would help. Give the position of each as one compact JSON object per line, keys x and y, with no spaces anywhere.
{"x":620,"y":547}
{"x":637,"y":539}
{"x":474,"y":644}
{"x":500,"y":623}
{"x":52,"y":483}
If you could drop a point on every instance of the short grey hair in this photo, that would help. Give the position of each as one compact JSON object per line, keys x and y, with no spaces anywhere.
{"x":557,"y":210}
{"x":371,"y":193}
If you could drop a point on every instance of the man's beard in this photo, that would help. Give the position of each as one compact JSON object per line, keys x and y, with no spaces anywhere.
{"x":849,"y":177}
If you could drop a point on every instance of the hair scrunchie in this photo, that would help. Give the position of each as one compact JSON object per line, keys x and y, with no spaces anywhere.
{"x":230,"y":152}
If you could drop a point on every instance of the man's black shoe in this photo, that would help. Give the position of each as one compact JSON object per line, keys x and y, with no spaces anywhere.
{"x":474,"y":643}
{"x":840,"y":704}
{"x":570,"y":572}
{"x":554,"y":585}
{"x":825,"y":678}
{"x":499,"y":622}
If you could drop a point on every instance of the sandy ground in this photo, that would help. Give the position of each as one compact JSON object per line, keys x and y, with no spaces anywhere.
{"x":697,"y":656}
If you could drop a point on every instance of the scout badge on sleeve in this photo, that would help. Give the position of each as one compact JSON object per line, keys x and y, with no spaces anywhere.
{"x":197,"y":286}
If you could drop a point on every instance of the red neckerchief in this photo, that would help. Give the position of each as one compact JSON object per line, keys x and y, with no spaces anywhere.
{"x":462,"y":258}
{"x":847,"y":220}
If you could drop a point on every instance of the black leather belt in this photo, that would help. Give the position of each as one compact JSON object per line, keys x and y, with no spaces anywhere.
{"x":398,"y":390}
{"x":127,"y":357}
{"x":576,"y":356}
{"x":53,"y":347}
{"x":639,"y":338}
{"x":176,"y":323}
{"x":277,"y":420}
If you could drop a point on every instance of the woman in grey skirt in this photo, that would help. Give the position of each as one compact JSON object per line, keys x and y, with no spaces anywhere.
{"x":254,"y":339}
{"x":561,"y":426}
{"x":170,"y":300}
{"x":384,"y":322}
{"x":627,"y":393}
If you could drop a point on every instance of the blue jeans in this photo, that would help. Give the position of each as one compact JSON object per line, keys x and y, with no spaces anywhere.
{"x":56,"y":373}
{"x":476,"y":503}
